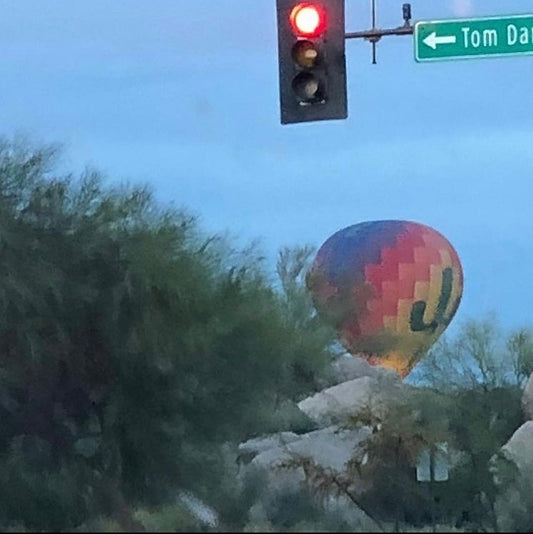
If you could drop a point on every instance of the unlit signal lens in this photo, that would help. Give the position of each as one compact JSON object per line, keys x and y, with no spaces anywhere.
{"x":305,"y":54}
{"x":306,"y":87}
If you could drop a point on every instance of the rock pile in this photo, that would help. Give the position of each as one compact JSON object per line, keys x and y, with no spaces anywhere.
{"x":358,"y":387}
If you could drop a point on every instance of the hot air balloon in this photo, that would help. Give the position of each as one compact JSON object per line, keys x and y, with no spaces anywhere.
{"x":390,"y":288}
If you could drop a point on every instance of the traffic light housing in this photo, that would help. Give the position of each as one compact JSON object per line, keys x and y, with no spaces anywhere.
{"x":312,"y":64}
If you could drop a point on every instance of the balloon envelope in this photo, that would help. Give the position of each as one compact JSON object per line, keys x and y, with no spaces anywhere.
{"x":390,"y":288}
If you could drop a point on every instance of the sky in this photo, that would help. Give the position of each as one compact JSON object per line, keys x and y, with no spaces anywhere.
{"x":183,"y":96}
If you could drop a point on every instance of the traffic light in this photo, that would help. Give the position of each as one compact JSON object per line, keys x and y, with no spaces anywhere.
{"x":312,"y":65}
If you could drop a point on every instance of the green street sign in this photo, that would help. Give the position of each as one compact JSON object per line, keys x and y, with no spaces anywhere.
{"x":473,"y":38}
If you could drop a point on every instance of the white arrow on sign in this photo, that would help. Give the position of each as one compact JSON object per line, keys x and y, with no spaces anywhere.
{"x":432,"y":40}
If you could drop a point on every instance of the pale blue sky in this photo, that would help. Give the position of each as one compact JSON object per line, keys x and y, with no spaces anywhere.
{"x":183,"y":95}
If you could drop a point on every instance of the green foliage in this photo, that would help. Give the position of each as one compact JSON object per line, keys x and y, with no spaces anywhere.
{"x":520,"y":348}
{"x":518,"y":512}
{"x":474,"y":421}
{"x":481,"y":422}
{"x":293,"y":509}
{"x":480,"y":356}
{"x":308,"y":365}
{"x":169,"y":518}
{"x":389,"y":490}
{"x":131,"y":347}
{"x":42,"y":498}
{"x":286,"y":509}
{"x":481,"y":372}
{"x":236,"y":495}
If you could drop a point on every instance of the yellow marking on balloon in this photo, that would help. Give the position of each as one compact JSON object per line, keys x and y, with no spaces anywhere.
{"x":435,"y":287}
{"x":404,"y":315}
{"x":445,"y":258}
{"x":421,"y":290}
{"x":389,"y":322}
{"x":396,"y":360}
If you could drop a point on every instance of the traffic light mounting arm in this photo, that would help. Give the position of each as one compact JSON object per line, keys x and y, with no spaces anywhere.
{"x":374,"y":34}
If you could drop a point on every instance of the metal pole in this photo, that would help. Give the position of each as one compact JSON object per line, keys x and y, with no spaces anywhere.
{"x":432,"y":486}
{"x":374,"y":61}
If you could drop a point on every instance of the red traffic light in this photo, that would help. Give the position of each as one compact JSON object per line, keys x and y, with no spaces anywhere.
{"x":308,"y":20}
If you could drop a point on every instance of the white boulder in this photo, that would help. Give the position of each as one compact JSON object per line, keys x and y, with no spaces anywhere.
{"x":248,"y":450}
{"x":198,"y":509}
{"x":329,"y":447}
{"x":519,"y":449}
{"x":339,"y":402}
{"x":348,"y":367}
{"x":512,"y":469}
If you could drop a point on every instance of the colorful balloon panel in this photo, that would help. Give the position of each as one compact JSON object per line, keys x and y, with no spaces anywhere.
{"x":390,"y":288}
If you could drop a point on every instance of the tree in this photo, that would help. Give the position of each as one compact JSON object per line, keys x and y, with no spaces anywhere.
{"x":481,"y":373}
{"x":480,"y":356}
{"x":298,"y":309}
{"x":131,"y":347}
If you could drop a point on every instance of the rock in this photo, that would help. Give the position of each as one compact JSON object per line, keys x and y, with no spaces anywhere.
{"x":519,"y":449}
{"x":199,"y":510}
{"x":290,"y":416}
{"x":330,"y":448}
{"x":284,"y":496}
{"x":248,"y":450}
{"x":359,"y":389}
{"x":527,"y":399}
{"x":512,"y":470}
{"x":342,"y":507}
{"x":348,"y":367}
{"x":339,"y":402}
